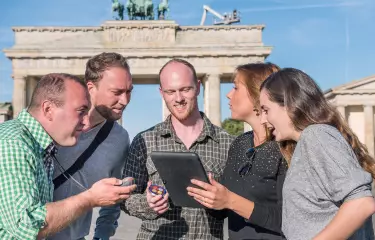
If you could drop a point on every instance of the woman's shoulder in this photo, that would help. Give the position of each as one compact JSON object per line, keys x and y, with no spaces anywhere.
{"x":243,"y":139}
{"x":321,"y":132}
{"x":320,"y":128}
{"x":245,"y":135}
{"x":241,"y":142}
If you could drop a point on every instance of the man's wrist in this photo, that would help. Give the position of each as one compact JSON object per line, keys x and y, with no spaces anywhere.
{"x":88,"y":199}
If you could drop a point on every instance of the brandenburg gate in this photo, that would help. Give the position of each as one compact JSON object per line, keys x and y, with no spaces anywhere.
{"x":215,"y":51}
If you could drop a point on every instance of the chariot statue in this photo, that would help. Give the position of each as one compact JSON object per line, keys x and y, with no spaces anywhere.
{"x":119,"y":8}
{"x":163,"y":9}
{"x":140,"y":9}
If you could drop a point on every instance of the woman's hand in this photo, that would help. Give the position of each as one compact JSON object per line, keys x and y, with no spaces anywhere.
{"x":213,"y":196}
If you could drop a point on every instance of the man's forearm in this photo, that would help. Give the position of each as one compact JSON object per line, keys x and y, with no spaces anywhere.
{"x":136,"y":205}
{"x":60,"y":214}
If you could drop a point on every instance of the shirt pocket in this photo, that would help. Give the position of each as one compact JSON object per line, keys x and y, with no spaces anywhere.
{"x":214,"y":161}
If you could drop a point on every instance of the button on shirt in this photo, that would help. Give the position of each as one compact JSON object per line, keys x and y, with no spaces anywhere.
{"x":177,"y":223}
{"x":25,"y":187}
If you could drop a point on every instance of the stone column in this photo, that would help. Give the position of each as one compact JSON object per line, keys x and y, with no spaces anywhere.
{"x":369,"y":128}
{"x":212,"y":100}
{"x":165,"y":111}
{"x":30,"y":86}
{"x":19,"y":94}
{"x":341,"y":109}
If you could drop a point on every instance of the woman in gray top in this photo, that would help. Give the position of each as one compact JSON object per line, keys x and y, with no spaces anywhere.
{"x":327,"y":189}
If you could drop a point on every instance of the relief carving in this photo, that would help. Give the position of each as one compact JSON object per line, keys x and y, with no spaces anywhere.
{"x":124,"y":35}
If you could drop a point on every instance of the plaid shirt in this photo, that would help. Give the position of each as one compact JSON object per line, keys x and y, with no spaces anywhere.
{"x":24,"y":185}
{"x":48,"y":157}
{"x":177,"y":223}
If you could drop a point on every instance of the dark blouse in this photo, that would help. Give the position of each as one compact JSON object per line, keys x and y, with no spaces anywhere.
{"x":262,"y":185}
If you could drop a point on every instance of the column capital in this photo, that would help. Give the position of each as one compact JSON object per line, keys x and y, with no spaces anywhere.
{"x":213,"y":75}
{"x":341,"y":105}
{"x":342,"y":110}
{"x":18,"y":76}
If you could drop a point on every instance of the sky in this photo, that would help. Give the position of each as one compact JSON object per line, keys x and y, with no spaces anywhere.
{"x":331,"y":40}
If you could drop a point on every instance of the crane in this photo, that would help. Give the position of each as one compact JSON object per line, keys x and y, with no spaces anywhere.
{"x":225,"y":19}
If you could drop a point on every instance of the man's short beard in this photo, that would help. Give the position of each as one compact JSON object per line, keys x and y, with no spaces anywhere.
{"x":187,"y":115}
{"x":107,"y":113}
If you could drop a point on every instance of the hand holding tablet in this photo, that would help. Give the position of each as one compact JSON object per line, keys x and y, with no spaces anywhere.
{"x":177,"y":169}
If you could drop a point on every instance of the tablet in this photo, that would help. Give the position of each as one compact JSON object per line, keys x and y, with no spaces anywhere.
{"x":176,"y":169}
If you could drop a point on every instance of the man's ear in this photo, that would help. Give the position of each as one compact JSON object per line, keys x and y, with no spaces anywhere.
{"x":199,"y":83}
{"x":90,"y":86}
{"x":48,"y":109}
{"x":161,"y":91}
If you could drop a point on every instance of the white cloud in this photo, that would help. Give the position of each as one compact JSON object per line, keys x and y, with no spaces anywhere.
{"x":307,"y":6}
{"x":361,"y":13}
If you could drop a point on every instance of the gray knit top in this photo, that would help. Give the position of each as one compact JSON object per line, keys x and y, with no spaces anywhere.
{"x":324,"y":172}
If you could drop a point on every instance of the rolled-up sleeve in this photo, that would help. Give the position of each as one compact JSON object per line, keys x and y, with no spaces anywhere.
{"x":135,"y":166}
{"x":334,"y":166}
{"x":22,"y":214}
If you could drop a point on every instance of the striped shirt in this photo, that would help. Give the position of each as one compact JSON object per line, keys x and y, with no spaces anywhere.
{"x":25,"y":185}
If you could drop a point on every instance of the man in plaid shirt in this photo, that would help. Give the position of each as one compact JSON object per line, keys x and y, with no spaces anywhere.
{"x":185,"y":130}
{"x":27,"y":149}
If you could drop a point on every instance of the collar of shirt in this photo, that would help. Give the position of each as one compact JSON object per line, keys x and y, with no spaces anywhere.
{"x":51,"y":149}
{"x":36,"y":130}
{"x":166,"y":129}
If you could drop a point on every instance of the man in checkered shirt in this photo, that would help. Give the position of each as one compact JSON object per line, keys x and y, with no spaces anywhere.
{"x":185,"y":130}
{"x":27,"y":149}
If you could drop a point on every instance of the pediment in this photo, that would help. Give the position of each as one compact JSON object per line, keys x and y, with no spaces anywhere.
{"x":367,"y":83}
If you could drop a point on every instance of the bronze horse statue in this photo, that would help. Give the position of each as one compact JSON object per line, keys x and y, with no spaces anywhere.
{"x":118,"y":7}
{"x":163,"y":7}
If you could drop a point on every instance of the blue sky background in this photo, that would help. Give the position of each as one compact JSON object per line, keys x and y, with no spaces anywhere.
{"x":332,"y":40}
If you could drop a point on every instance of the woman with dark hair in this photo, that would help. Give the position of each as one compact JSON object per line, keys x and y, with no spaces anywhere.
{"x":327,"y":190}
{"x":251,"y":186}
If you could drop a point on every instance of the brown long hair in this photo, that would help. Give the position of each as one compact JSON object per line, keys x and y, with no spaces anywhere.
{"x":306,"y":105}
{"x":252,"y":76}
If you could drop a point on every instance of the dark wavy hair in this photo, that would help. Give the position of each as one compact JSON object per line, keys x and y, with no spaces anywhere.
{"x":306,"y":105}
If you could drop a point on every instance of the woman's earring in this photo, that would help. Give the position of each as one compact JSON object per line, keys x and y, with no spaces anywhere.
{"x":257,"y":111}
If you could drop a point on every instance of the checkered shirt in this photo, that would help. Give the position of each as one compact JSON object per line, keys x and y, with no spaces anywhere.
{"x":24,"y":185}
{"x":177,"y":223}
